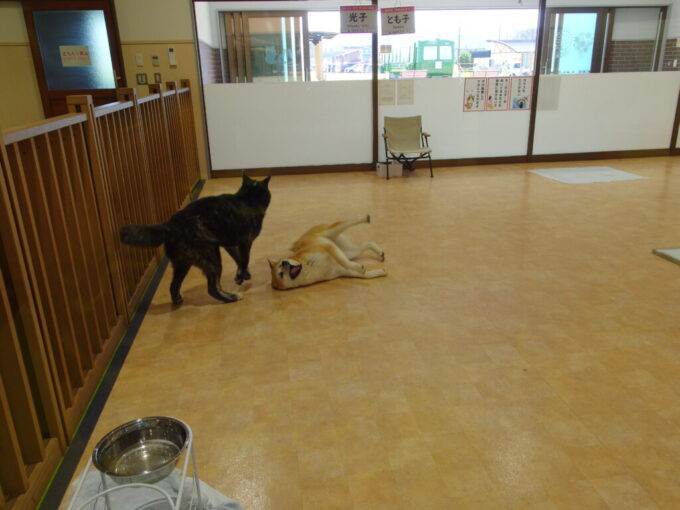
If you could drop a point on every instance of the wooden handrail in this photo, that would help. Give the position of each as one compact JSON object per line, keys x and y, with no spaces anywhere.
{"x":42,"y":127}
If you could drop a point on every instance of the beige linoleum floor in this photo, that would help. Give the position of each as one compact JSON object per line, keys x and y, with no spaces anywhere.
{"x":522,"y":353}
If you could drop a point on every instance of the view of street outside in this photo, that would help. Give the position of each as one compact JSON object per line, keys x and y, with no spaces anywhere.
{"x":486,"y":42}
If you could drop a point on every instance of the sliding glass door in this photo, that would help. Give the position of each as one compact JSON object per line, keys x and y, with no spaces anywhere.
{"x":267,"y":46}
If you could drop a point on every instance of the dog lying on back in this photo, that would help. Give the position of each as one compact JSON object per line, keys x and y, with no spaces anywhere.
{"x":193,"y":236}
{"x":323,"y":253}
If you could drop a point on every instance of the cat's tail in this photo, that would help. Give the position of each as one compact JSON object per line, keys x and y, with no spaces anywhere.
{"x":143,"y":235}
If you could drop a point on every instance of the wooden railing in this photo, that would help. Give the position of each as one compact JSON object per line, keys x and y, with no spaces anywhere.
{"x":67,"y":285}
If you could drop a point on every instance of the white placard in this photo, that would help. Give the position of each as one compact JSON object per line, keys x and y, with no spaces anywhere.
{"x":404,"y":91}
{"x":358,"y":19}
{"x":498,"y":96}
{"x":474,"y":94}
{"x":520,"y":94}
{"x":398,"y":20}
{"x":75,"y":56}
{"x":387,"y":93}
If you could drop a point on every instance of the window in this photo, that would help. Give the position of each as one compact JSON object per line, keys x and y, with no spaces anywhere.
{"x":581,"y":41}
{"x":266,"y":46}
{"x":470,"y":42}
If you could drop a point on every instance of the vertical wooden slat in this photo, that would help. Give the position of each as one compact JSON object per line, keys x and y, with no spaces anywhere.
{"x":58,"y":212}
{"x":15,"y":379}
{"x":158,"y":121}
{"x":35,"y":185}
{"x":98,"y":181}
{"x":167,"y":145}
{"x":127,"y":213}
{"x":30,"y":306}
{"x":45,"y":280}
{"x":178,"y":135}
{"x":76,"y":222}
{"x":13,"y":475}
{"x":94,"y":258}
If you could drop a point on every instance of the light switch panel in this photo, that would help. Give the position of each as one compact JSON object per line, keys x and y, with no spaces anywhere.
{"x":172,"y":58}
{"x":139,"y":59}
{"x":155,"y":61}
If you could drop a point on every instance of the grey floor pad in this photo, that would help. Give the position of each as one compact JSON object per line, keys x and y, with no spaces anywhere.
{"x":672,"y":254}
{"x":586,"y":174}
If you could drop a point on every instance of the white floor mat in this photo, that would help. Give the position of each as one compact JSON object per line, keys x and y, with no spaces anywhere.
{"x":587,"y":174}
{"x":672,"y":254}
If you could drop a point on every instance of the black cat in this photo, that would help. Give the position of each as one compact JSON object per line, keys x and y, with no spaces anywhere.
{"x":193,"y":235}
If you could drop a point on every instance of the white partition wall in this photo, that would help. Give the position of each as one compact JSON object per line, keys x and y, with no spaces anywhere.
{"x":457,"y":134}
{"x":255,"y":125}
{"x":605,"y":112}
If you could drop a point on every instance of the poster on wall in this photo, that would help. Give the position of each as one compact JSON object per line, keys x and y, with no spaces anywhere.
{"x":398,"y":20}
{"x":387,"y":92}
{"x":75,"y":56}
{"x":358,"y":19}
{"x":520,"y":94}
{"x":498,"y":96}
{"x":474,"y":94}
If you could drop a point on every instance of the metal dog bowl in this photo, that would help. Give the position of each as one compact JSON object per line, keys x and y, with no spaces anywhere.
{"x":141,"y":451}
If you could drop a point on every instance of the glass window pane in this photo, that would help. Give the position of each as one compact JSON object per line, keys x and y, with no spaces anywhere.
{"x":445,"y":52}
{"x":335,"y":56}
{"x":575,"y":41}
{"x":74,"y":47}
{"x":462,"y":42}
{"x":430,"y":53}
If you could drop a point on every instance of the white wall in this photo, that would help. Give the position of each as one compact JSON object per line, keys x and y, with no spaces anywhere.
{"x":635,"y":24}
{"x":605,"y":112}
{"x":258,"y":125}
{"x":457,"y":134}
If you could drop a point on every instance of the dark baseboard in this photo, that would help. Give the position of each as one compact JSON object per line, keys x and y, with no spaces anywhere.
{"x":294,"y":170}
{"x":583,"y":156}
{"x":439,"y":163}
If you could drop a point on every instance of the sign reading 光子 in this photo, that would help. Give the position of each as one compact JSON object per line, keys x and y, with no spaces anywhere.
{"x":358,"y":19}
{"x":398,"y":20}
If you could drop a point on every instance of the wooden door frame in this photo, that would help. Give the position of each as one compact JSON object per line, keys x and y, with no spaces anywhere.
{"x":114,"y":39}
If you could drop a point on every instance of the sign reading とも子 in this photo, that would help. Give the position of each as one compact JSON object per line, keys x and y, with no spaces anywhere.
{"x":358,"y":19}
{"x":398,"y":20}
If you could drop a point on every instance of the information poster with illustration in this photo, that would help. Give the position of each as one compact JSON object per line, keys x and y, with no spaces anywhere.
{"x":398,"y":20}
{"x":475,"y":94}
{"x":520,"y":93}
{"x":498,"y":96}
{"x":358,"y":19}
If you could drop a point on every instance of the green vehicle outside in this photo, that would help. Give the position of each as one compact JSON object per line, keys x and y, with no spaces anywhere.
{"x":422,"y":59}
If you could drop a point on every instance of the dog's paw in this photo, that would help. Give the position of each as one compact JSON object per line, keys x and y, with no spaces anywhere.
{"x":177,"y":300}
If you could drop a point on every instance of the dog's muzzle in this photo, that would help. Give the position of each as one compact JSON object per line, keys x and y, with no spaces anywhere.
{"x":293,"y":269}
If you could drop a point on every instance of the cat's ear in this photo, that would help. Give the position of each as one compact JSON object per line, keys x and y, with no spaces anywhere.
{"x":272,"y":263}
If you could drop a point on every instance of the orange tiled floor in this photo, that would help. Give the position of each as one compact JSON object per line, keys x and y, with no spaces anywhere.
{"x":522,"y":353}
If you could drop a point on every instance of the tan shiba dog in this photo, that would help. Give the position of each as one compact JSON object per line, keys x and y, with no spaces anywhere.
{"x":321,"y":254}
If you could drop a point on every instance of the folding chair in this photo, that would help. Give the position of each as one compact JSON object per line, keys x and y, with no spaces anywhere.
{"x":405,"y":142}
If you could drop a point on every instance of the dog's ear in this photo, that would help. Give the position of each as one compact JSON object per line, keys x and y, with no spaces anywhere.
{"x":266,"y":180}
{"x":272,"y":263}
{"x":245,"y":177}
